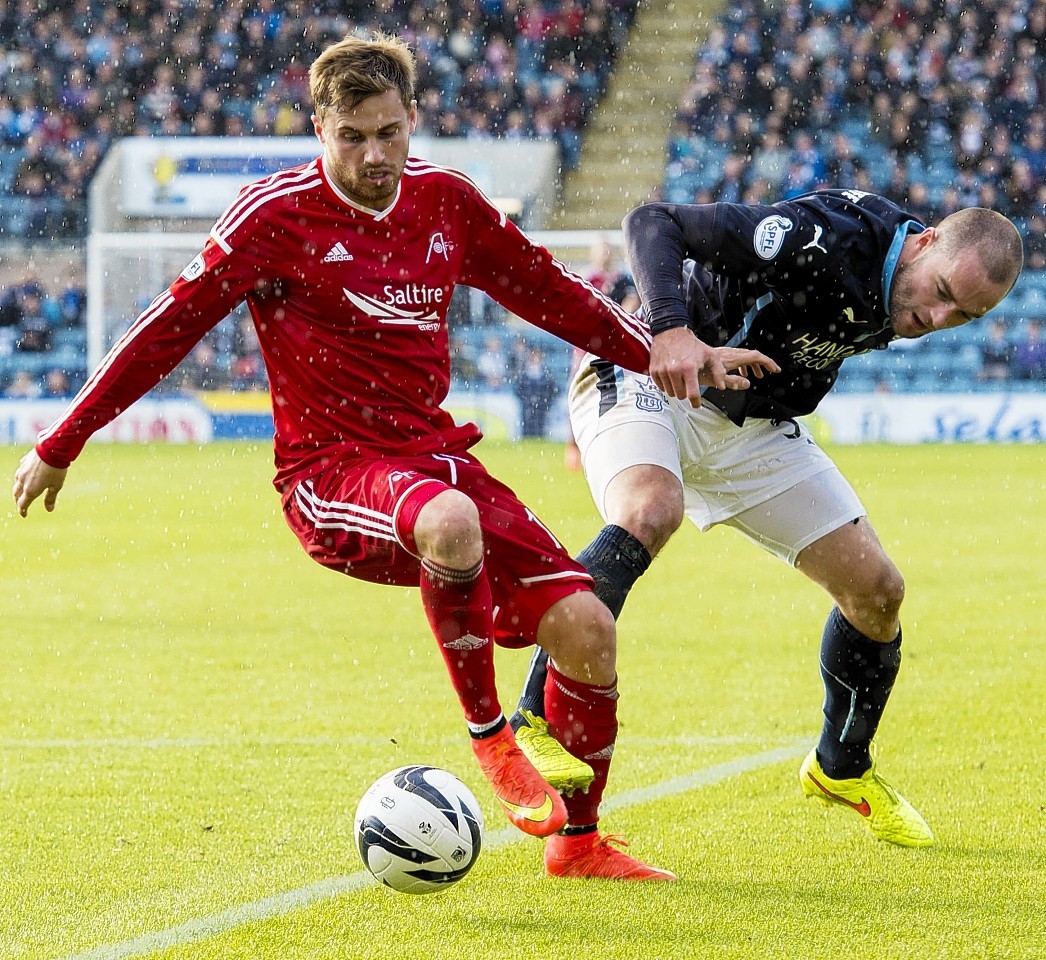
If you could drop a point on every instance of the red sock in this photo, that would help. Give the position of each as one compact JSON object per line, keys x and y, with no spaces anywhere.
{"x":458,"y":605}
{"x":584,"y":719}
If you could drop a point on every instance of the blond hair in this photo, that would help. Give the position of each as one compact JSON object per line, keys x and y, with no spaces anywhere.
{"x":354,"y":69}
{"x":993,"y":236}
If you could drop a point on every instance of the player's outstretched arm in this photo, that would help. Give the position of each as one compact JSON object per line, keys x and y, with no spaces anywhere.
{"x":33,"y":478}
{"x":680,"y":364}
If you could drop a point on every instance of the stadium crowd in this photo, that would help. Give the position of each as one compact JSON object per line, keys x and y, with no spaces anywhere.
{"x":936,"y":103}
{"x":76,"y":75}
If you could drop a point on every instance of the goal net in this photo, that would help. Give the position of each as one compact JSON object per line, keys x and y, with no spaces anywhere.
{"x":125,"y":271}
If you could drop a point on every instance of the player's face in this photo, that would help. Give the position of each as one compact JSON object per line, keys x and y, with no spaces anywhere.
{"x":931,"y":291}
{"x":365,"y":147}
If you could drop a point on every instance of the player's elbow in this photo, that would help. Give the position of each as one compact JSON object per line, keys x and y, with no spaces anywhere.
{"x":642,"y":221}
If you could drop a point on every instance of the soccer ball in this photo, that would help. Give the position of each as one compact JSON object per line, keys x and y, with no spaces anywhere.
{"x":419,"y":829}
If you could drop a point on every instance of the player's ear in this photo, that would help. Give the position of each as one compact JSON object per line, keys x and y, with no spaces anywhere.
{"x":412,"y":116}
{"x":926,"y":238}
{"x":317,"y":126}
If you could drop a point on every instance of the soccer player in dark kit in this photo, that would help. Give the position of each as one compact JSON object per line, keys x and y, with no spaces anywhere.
{"x":347,"y":264}
{"x":810,"y":282}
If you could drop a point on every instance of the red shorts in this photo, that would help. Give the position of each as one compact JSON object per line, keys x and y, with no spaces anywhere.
{"x":358,"y":518}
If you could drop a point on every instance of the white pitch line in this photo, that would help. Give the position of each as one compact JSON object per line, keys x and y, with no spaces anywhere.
{"x":192,"y":743}
{"x":187,"y":743}
{"x":282,"y":903}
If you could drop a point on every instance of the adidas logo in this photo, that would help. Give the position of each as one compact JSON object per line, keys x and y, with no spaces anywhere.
{"x":467,"y":642}
{"x":605,"y":754}
{"x":337,"y":253}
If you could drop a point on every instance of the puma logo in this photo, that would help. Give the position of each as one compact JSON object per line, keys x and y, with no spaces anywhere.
{"x":816,"y":242}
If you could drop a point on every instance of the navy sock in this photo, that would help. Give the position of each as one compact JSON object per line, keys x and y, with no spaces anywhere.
{"x":858,"y":675}
{"x":616,"y":560}
{"x":533,"y":696}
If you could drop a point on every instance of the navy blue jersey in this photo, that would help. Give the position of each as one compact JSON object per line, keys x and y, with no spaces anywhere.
{"x":806,"y":281}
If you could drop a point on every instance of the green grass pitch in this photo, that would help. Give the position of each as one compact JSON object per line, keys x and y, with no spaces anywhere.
{"x":190,"y":708}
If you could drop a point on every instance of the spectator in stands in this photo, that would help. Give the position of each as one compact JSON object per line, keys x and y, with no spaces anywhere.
{"x":1019,"y":187}
{"x":33,"y":182}
{"x":248,"y":367}
{"x":770,"y":161}
{"x":968,"y":187}
{"x":517,"y":358}
{"x":57,"y":384}
{"x":1029,"y":358}
{"x":1032,"y":149}
{"x":10,"y":309}
{"x":604,"y":268}
{"x":202,"y":368}
{"x":23,"y":386}
{"x":34,"y":329}
{"x":492,"y":364}
{"x":36,"y":171}
{"x":730,"y":187}
{"x":1035,"y":241}
{"x":536,"y":389}
{"x":949,"y":203}
{"x":806,"y":166}
{"x":842,"y":165}
{"x":996,"y":355}
{"x":917,"y":201}
{"x":72,"y":302}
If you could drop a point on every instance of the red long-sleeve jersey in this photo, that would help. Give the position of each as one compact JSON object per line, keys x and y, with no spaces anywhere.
{"x":350,"y":306}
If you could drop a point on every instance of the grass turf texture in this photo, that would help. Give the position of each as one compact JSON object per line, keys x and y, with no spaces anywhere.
{"x":190,"y":709}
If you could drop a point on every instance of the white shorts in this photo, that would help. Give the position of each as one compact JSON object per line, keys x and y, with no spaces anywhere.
{"x":769,"y":479}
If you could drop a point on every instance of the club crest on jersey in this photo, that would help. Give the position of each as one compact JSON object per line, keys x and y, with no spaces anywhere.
{"x":770,"y":235}
{"x":649,"y":398}
{"x":394,"y":309}
{"x":398,"y":477}
{"x":438,"y":247}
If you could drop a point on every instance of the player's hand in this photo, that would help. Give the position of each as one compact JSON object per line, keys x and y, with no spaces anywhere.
{"x":747,"y":363}
{"x":34,"y":477}
{"x":680,"y":364}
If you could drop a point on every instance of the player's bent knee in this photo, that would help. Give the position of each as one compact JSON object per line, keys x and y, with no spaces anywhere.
{"x":648,"y":502}
{"x":447,"y":530}
{"x":882,"y":588}
{"x":873,"y":604}
{"x":889,"y":588}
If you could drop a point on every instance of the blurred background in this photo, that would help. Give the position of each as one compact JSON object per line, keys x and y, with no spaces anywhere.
{"x":125,"y":127}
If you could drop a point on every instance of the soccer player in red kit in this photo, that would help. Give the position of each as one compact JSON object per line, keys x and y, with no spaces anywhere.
{"x":347,"y":264}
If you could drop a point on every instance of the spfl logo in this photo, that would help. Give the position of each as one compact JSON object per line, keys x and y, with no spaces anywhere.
{"x":194,"y":269}
{"x":770,"y":234}
{"x":437,"y":247}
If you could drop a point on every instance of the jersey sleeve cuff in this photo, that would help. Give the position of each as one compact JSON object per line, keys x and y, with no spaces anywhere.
{"x":668,"y":323}
{"x":59,"y":463}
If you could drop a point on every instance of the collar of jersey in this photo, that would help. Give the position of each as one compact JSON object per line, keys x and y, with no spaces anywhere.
{"x":894,"y":254}
{"x":376,"y":214}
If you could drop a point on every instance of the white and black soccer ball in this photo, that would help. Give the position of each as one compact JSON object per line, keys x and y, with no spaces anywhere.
{"x":419,"y":829}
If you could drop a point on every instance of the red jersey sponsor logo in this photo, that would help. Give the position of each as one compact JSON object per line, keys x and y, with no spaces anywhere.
{"x":395,"y":306}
